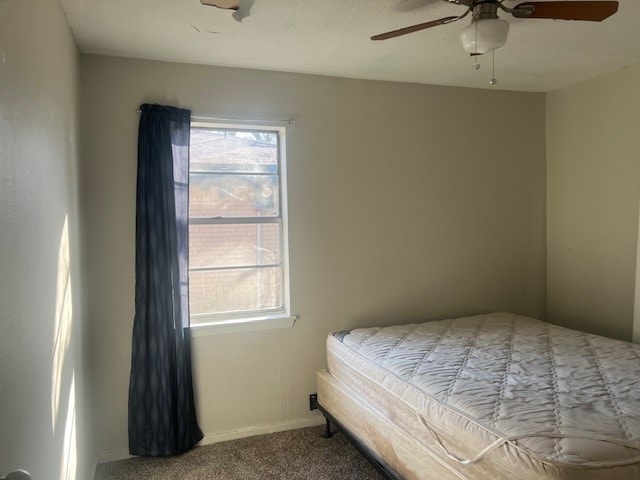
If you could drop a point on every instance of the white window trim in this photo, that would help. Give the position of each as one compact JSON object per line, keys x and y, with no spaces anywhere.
{"x":217,"y":324}
{"x":244,"y":324}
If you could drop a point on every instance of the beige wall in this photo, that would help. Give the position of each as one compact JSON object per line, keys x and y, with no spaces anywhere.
{"x":407,"y":202}
{"x":45,"y":397}
{"x":593,"y":181}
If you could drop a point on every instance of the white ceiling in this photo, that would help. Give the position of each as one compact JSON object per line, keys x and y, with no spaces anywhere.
{"x":331,"y":37}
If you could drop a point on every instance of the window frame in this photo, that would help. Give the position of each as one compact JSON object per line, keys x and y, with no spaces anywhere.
{"x":265,"y":319}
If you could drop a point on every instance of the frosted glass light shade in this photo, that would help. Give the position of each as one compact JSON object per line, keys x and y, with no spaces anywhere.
{"x":491,"y":34}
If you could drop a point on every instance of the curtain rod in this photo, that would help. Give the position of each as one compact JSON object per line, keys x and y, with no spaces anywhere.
{"x":288,"y":121}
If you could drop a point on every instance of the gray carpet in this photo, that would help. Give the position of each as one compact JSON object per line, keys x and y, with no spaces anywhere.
{"x":294,"y":455}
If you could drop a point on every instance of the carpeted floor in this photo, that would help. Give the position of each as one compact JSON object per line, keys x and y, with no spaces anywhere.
{"x":294,"y":455}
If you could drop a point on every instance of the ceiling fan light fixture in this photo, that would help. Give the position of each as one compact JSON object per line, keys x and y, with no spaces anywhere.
{"x":484,"y":35}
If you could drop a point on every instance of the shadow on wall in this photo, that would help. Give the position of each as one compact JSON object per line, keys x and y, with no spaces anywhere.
{"x":62,"y":336}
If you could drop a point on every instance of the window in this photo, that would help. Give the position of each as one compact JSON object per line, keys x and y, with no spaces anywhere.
{"x":238,"y":261}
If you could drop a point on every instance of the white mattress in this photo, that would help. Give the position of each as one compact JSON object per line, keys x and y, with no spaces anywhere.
{"x":502,"y":395}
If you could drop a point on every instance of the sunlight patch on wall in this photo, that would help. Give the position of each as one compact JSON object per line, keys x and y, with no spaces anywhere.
{"x":69,"y":461}
{"x":63,"y":322}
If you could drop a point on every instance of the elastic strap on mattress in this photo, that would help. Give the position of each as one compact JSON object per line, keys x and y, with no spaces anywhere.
{"x":502,"y":440}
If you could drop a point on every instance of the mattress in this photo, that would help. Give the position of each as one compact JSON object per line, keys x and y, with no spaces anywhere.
{"x":499,"y":395}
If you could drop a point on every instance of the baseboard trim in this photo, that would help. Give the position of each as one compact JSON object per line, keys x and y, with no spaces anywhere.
{"x":224,"y":436}
{"x":261,"y":430}
{"x":113,"y":456}
{"x":95,"y":467}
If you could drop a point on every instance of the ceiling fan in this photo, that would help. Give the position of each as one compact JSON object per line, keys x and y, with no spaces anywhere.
{"x":487,"y":31}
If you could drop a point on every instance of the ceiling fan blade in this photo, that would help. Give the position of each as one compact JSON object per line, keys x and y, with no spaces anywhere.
{"x":466,"y":3}
{"x":226,"y":4}
{"x":413,"y":28}
{"x":595,"y":11}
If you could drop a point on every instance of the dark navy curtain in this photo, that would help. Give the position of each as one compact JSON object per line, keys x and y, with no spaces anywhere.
{"x":162,"y":416}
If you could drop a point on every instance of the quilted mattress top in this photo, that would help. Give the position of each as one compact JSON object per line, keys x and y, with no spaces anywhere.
{"x":566,"y":396}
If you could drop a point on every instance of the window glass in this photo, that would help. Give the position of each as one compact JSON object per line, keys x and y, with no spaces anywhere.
{"x":237,"y":231}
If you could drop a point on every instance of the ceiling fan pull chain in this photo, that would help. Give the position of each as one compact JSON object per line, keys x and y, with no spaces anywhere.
{"x":493,"y":80}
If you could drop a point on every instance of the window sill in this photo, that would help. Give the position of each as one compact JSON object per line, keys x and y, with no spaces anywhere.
{"x":241,"y":325}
